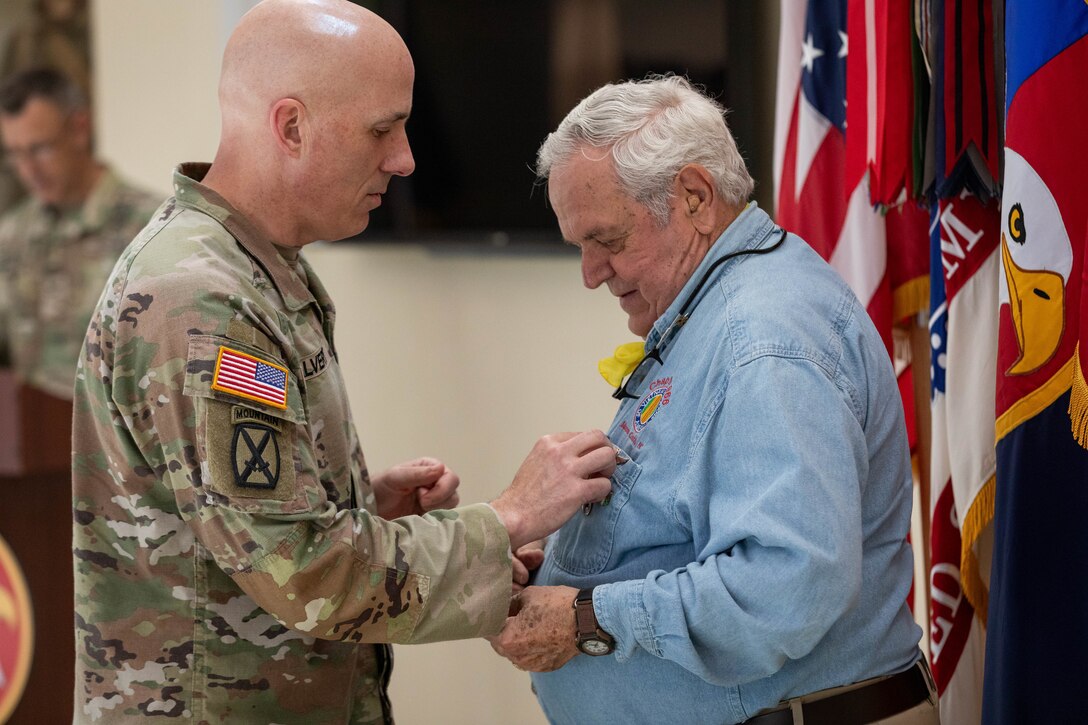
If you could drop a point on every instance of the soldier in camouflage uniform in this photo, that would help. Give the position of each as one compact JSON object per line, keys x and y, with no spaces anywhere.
{"x":58,"y":246}
{"x":234,"y":561}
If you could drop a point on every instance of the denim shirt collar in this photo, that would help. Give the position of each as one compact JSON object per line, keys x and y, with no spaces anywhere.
{"x":751,"y":229}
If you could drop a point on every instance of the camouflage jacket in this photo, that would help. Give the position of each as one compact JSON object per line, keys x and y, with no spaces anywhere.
{"x":229,"y":566}
{"x":52,"y":269}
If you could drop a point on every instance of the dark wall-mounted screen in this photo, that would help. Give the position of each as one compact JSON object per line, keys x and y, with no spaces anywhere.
{"x":493,"y":77}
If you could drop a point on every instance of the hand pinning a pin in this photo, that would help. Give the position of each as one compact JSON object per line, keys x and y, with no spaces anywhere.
{"x":621,"y":458}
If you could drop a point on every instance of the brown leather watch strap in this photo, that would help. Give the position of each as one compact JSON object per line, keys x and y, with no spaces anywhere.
{"x":588,"y":635}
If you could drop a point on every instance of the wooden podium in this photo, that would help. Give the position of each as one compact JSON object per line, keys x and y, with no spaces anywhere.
{"x":36,"y":522}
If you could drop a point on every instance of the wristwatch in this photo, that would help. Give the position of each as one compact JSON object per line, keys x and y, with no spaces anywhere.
{"x":589,"y":637}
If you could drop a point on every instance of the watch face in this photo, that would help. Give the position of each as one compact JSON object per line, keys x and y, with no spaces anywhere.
{"x":595,"y":647}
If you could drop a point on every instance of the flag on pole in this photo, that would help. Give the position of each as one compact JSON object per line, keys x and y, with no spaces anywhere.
{"x":966,"y":143}
{"x":818,"y":197}
{"x":1038,"y":628}
{"x":880,"y":108}
{"x":881,"y":99}
{"x":963,"y":334}
{"x":963,"y":325}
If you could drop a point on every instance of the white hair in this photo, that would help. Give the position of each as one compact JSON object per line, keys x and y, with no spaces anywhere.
{"x":652,"y":128}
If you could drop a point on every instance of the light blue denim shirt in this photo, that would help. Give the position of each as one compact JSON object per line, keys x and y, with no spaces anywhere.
{"x":755,"y":545}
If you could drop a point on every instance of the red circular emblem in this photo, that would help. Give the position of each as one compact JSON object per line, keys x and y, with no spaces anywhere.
{"x":16,"y":632}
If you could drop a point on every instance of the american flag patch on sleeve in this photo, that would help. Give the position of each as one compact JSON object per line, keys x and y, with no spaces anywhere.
{"x":242,"y":374}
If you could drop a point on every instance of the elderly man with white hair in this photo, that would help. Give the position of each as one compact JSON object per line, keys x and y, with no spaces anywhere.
{"x":751,"y":562}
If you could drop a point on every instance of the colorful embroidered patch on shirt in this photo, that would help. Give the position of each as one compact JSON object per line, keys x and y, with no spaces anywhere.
{"x":652,"y":402}
{"x":249,"y":377}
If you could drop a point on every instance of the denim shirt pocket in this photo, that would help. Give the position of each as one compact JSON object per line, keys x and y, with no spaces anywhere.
{"x":584,"y":544}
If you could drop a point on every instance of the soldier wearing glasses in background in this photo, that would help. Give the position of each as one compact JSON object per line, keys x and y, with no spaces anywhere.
{"x":58,"y":246}
{"x":751,"y":563}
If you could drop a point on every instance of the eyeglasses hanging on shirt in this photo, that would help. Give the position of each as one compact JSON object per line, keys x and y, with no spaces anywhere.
{"x":654,"y":355}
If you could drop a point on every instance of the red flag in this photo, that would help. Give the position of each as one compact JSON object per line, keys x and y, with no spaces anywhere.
{"x":880,"y":93}
{"x":907,"y":228}
{"x":967,"y":152}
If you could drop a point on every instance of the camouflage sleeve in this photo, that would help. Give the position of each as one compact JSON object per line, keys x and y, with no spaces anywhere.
{"x":252,"y":479}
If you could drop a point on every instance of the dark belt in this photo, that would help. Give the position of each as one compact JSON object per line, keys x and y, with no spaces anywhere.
{"x":866,"y":704}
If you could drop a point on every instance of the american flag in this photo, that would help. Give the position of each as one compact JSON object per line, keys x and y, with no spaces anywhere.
{"x":250,"y":377}
{"x":819,"y":197}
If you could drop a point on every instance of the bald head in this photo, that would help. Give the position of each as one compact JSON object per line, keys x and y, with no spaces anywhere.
{"x":314,"y":96}
{"x":317,"y":51}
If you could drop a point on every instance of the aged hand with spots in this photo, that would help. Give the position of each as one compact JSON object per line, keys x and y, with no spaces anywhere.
{"x":414,"y":487}
{"x":539,"y":634}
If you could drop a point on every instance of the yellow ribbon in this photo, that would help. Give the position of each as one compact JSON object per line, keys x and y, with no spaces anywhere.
{"x":622,"y":363}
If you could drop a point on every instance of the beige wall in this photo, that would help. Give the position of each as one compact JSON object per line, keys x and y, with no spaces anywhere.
{"x":469,"y":358}
{"x":466,"y":356}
